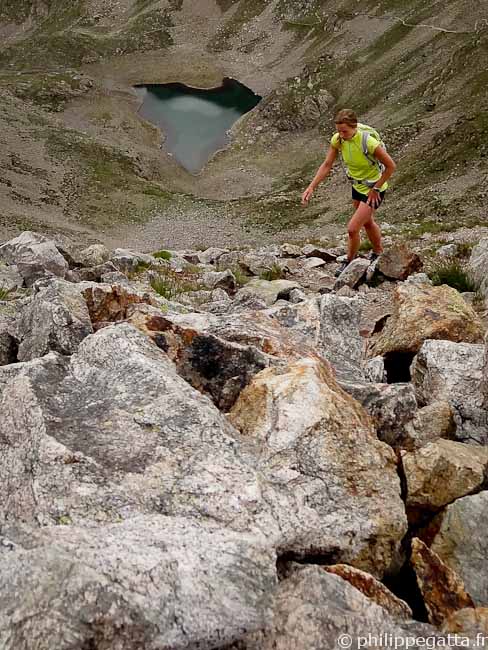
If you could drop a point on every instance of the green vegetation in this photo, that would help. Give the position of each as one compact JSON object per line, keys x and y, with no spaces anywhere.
{"x":240,"y":276}
{"x":64,"y":520}
{"x":5,"y":293}
{"x":365,"y":246}
{"x":428,"y":226}
{"x":169,"y":283}
{"x":140,"y":267}
{"x":274,"y":273}
{"x":162,"y":255}
{"x":464,"y":249}
{"x":452,"y":273}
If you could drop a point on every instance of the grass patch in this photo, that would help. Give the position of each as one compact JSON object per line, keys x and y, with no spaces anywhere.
{"x":170,"y":284}
{"x":365,"y":246}
{"x":274,"y":273}
{"x":464,"y":249}
{"x":433,"y":227}
{"x":140,"y":267}
{"x":162,"y":255}
{"x":452,"y":273}
{"x":241,"y":277}
{"x":5,"y":293}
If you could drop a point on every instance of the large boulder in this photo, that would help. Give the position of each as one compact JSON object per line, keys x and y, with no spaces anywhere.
{"x":128,"y":261}
{"x":268,"y":291}
{"x":331,"y":325}
{"x":470,"y":621}
{"x":10,"y":278}
{"x":220,"y":279}
{"x":211,"y":255}
{"x":326,"y":254}
{"x":442,"y":589}
{"x":56,"y":318}
{"x":109,"y":303}
{"x":478,"y":265}
{"x":428,"y":424}
{"x":214,"y":366}
{"x":96,"y":273}
{"x":8,"y":340}
{"x":113,"y":431}
{"x":148,"y":582}
{"x":94,"y":255}
{"x":484,"y":380}
{"x":317,"y":610}
{"x":352,"y":274}
{"x":391,"y":406}
{"x":423,"y":312}
{"x":35,"y":257}
{"x":147,"y":440}
{"x":443,"y":471}
{"x":259,"y":263}
{"x":312,"y":434}
{"x":453,"y":372}
{"x":259,"y":329}
{"x":462,"y":543}
{"x":398,"y":262}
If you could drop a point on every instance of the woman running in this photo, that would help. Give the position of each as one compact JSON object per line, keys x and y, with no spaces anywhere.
{"x":368,"y":175}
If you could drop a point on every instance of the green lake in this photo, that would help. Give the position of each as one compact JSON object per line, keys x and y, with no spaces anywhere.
{"x":195,"y":121}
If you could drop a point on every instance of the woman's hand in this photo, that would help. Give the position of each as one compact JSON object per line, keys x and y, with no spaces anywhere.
{"x":307,"y":195}
{"x":374,"y":199}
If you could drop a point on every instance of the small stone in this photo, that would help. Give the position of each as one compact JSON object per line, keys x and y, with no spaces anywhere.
{"x":450,"y":250}
{"x":328,"y":255}
{"x":352,"y":274}
{"x":313,"y":262}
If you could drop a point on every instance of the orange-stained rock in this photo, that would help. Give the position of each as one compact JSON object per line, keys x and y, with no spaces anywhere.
{"x":318,"y":441}
{"x":442,"y":589}
{"x":372,"y":588}
{"x":108,"y":303}
{"x":470,"y":621}
{"x":423,"y":312}
{"x":398,"y":262}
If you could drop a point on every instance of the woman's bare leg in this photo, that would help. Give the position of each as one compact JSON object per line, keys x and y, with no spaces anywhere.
{"x":374,"y":234}
{"x":359,"y":219}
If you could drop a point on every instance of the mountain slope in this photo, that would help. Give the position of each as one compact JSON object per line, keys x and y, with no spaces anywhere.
{"x":417,"y":73}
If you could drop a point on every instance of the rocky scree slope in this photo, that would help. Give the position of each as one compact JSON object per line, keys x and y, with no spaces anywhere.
{"x":76,"y":158}
{"x":192,"y":460}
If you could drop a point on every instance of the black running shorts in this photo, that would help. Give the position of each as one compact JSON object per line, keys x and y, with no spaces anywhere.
{"x":357,"y":196}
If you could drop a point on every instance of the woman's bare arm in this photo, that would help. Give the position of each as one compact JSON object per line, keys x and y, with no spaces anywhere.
{"x":390,"y":165}
{"x":322,"y":172}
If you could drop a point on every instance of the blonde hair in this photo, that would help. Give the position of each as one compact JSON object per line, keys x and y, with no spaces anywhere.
{"x":346,"y":116}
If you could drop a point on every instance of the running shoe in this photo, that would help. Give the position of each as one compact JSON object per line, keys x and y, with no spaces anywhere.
{"x":341,"y":268}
